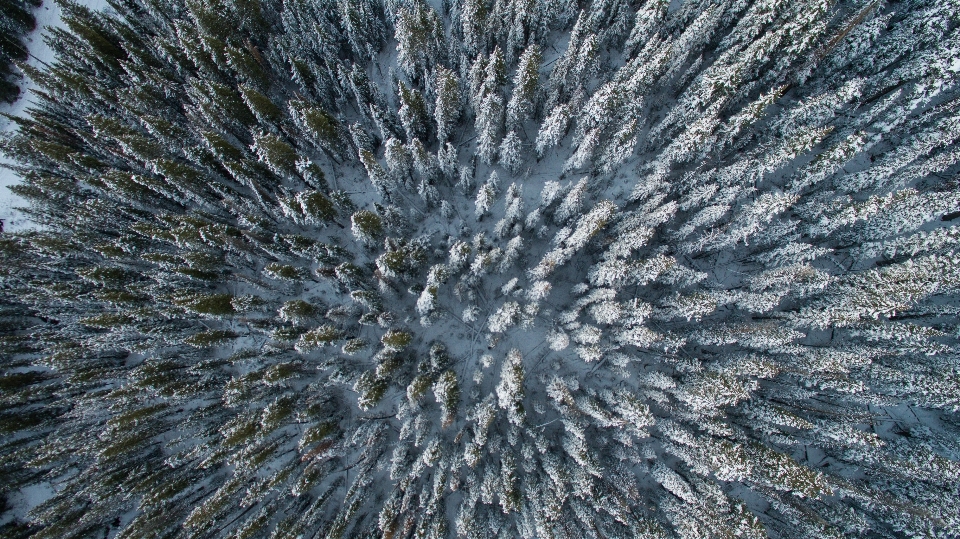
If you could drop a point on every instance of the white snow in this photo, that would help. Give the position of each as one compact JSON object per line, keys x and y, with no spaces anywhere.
{"x":26,"y":499}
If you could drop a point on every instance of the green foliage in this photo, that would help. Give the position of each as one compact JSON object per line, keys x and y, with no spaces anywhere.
{"x":262,"y":106}
{"x":297,"y":311}
{"x":349,"y":274}
{"x":321,"y":336}
{"x":281,"y":371}
{"x":107,"y":320}
{"x":370,"y":389}
{"x":324,"y":130}
{"x":248,"y":62}
{"x":195,"y":273}
{"x":355,"y":346}
{"x":413,"y":113}
{"x":447,"y":392}
{"x":368,"y":299}
{"x":287,"y":334}
{"x":319,"y":207}
{"x":418,"y":388}
{"x":388,"y":365}
{"x":277,"y":154}
{"x":284,"y":272}
{"x":396,"y":340}
{"x":18,"y":21}
{"x":367,"y":226}
{"x":343,"y":201}
{"x":401,"y":258}
{"x":217,"y":305}
{"x":106,"y":276}
{"x":221,"y":146}
{"x":247,"y":303}
{"x":447,"y":109}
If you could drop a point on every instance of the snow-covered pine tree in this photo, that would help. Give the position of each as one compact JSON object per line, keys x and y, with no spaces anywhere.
{"x":448,"y":107}
{"x":413,"y":113}
{"x":523,"y":102}
{"x":420,"y":39}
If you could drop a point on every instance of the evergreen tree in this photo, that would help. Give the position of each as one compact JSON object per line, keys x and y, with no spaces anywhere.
{"x":473,"y":21}
{"x":323,"y":130}
{"x":413,"y":113}
{"x":511,"y":152}
{"x":399,"y":162}
{"x":17,"y":21}
{"x":523,"y":102}
{"x":447,"y":108}
{"x":420,"y":39}
{"x":363,"y":26}
{"x":553,"y":129}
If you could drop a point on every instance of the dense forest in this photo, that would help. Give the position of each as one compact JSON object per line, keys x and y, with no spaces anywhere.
{"x":16,"y":20}
{"x":486,"y":269}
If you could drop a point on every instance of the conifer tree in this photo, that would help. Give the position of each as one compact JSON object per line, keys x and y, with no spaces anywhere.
{"x":447,"y":108}
{"x":413,"y":113}
{"x":420,"y":39}
{"x":511,"y":152}
{"x":523,"y":102}
{"x":17,"y":22}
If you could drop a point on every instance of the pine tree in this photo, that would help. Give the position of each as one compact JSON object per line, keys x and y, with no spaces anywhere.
{"x":511,"y":152}
{"x":575,"y":67}
{"x":486,"y":195}
{"x":399,"y":162}
{"x":572,"y":203}
{"x":420,"y":40}
{"x":362,"y":140}
{"x":324,"y":130}
{"x":265,"y":110}
{"x":489,"y":127}
{"x":473,"y":20}
{"x":553,"y":129}
{"x":363,"y":26}
{"x":367,"y":226}
{"x":510,"y":390}
{"x":413,"y":113}
{"x":523,"y":102}
{"x":17,"y":22}
{"x":647,"y":23}
{"x":378,"y":177}
{"x":447,"y":108}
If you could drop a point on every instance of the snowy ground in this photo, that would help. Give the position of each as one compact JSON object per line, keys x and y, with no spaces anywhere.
{"x":48,"y":16}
